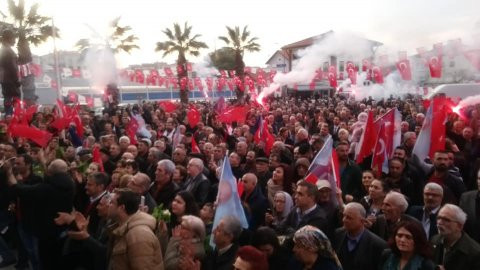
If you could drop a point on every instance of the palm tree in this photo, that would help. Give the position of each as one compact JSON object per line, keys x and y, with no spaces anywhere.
{"x":240,"y":42}
{"x":179,"y":41}
{"x":118,"y":39}
{"x":31,"y":28}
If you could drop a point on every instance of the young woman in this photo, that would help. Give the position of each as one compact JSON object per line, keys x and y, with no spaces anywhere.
{"x":409,"y":249}
{"x":280,"y":181}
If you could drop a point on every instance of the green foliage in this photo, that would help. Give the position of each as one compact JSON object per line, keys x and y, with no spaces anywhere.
{"x":223,"y":59}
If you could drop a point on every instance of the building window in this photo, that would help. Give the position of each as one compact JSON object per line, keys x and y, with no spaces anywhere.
{"x":452,"y":63}
{"x":341,"y":66}
{"x":325,"y":66}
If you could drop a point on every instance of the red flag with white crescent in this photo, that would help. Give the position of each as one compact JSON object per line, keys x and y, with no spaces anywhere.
{"x":380,"y":158}
{"x":195,"y":148}
{"x":435,"y":66}
{"x":377,"y":74}
{"x":403,"y":67}
{"x":352,"y":72}
{"x":367,"y":140}
{"x":332,"y":76}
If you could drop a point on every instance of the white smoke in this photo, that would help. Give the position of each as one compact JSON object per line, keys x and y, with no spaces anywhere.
{"x":343,"y":44}
{"x":102,"y":66}
{"x":469,"y":101}
{"x":205,"y":68}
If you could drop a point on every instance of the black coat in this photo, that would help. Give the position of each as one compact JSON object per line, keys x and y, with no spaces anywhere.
{"x":364,"y":256}
{"x":468,"y":203}
{"x":225,"y":261}
{"x":464,"y":255}
{"x":316,"y":218}
{"x":54,"y":195}
{"x":166,"y":195}
{"x":384,"y":229}
{"x":417,"y":212}
{"x":257,"y":204}
{"x":351,"y":180}
{"x":199,"y":187}
{"x":452,"y":186}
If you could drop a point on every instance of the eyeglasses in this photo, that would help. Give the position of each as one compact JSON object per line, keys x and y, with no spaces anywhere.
{"x":445,"y":219}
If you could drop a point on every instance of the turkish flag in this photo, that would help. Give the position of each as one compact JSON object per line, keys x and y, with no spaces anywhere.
{"x":195,"y":148}
{"x":367,"y":140}
{"x":233,"y":114}
{"x":230,"y":84}
{"x":377,"y":74}
{"x":198,"y":83}
{"x":263,"y":135}
{"x":380,"y":158}
{"x":132,"y":129}
{"x":160,"y":81}
{"x":391,"y":120}
{"x":311,"y":86}
{"x":167,"y":106}
{"x":473,"y":56}
{"x":189,"y":67}
{"x":183,"y":83}
{"x":223,"y":73}
{"x":332,"y":76}
{"x":193,"y":116}
{"x":168,"y":71}
{"x":403,"y":67}
{"x":435,"y":66}
{"x":139,"y":76}
{"x":73,"y":97}
{"x":352,"y":72}
{"x":97,"y":158}
{"x":40,"y":137}
{"x":209,"y":82}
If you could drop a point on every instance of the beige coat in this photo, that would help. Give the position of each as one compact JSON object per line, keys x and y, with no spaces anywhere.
{"x":135,"y":245}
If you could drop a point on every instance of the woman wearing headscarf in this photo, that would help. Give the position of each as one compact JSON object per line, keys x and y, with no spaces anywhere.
{"x":313,"y":251}
{"x":282,"y":205}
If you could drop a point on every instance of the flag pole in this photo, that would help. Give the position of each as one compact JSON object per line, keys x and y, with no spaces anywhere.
{"x":55,"y":59}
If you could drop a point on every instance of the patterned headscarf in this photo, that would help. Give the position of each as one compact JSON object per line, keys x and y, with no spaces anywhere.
{"x":312,"y":238}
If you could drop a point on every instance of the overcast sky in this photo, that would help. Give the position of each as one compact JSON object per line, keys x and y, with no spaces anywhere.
{"x":399,"y":24}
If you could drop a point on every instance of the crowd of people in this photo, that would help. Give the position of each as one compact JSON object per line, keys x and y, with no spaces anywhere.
{"x":151,"y":204}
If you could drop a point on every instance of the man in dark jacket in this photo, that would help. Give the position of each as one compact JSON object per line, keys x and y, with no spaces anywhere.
{"x":9,"y":71}
{"x":427,"y":214}
{"x":54,"y":195}
{"x":470,"y":203}
{"x":453,"y":248}
{"x":164,"y":189}
{"x":197,"y":183}
{"x":306,"y":211}
{"x":255,"y":200}
{"x":350,"y":174}
{"x":356,"y":247}
{"x":225,"y":236}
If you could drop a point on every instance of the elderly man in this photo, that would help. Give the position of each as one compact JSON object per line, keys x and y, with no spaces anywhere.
{"x":164,"y":189}
{"x":140,"y":184}
{"x":179,"y":156}
{"x":306,"y":212}
{"x":470,"y":203}
{"x":154,"y":156}
{"x":241,"y":149}
{"x":124,"y":142}
{"x":453,"y":248}
{"x":225,"y":236}
{"x":357,"y":248}
{"x":393,"y":207}
{"x":196,"y":182}
{"x":301,"y":137}
{"x":427,"y":214}
{"x":409,"y":139}
{"x":254,"y":198}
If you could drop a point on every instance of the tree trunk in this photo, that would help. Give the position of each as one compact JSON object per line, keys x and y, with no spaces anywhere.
{"x":182,"y":73}
{"x":239,"y":71}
